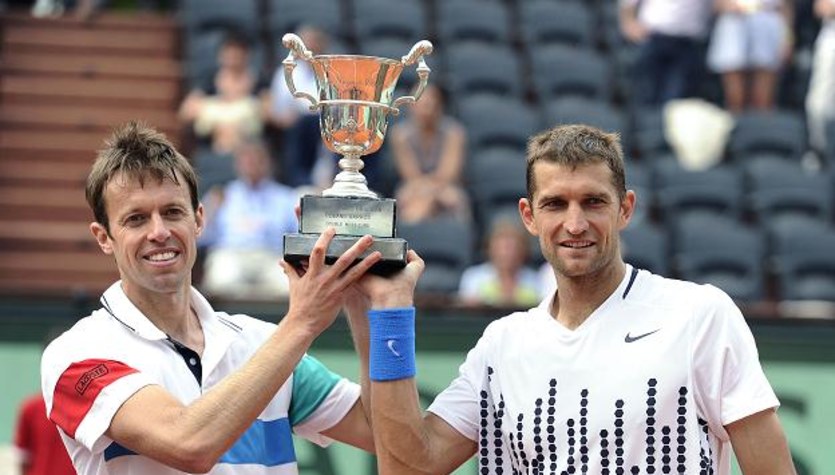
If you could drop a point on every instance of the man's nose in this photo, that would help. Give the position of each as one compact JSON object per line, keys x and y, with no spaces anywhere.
{"x":159,"y":229}
{"x":575,"y":221}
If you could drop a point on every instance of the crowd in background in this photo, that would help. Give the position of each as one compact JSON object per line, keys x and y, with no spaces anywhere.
{"x":689,"y":68}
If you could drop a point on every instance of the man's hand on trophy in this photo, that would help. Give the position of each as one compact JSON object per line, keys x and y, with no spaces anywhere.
{"x":318,"y":290}
{"x":394,"y":290}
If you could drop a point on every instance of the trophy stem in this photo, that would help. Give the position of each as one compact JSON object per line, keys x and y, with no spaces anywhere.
{"x":349,"y":181}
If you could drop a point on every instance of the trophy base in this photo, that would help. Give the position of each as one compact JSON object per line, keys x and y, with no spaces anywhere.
{"x":297,"y":248}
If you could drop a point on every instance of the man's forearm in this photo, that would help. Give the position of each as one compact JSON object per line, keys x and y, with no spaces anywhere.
{"x":403,"y":446}
{"x":359,"y":333}
{"x":193,"y":437}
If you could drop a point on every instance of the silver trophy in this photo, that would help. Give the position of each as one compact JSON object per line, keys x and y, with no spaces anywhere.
{"x":355,"y":102}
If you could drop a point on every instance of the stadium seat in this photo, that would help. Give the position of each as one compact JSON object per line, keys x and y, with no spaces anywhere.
{"x":560,"y":71}
{"x":381,"y":19}
{"x":446,"y":246}
{"x":477,"y":68}
{"x":719,"y":250}
{"x":200,"y":16}
{"x":828,"y":154}
{"x":678,"y":191}
{"x":639,"y":180}
{"x":477,"y":20}
{"x":496,"y":121}
{"x":495,"y":182}
{"x":548,"y":22}
{"x":286,"y":16}
{"x":579,"y":110}
{"x":647,"y":131}
{"x":802,"y":257}
{"x":213,"y":168}
{"x":779,"y":187}
{"x":608,"y":28}
{"x":779,"y":133}
{"x":645,"y":246}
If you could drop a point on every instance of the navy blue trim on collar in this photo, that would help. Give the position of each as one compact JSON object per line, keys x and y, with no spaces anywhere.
{"x":631,"y":281}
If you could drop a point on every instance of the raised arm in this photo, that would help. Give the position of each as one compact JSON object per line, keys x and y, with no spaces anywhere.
{"x":407,"y":440}
{"x":192,"y":438}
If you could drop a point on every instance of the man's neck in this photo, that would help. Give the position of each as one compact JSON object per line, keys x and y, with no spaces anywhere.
{"x":578,"y":297}
{"x":172,"y":313}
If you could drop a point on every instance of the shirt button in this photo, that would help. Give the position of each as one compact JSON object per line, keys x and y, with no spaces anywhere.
{"x":192,"y":361}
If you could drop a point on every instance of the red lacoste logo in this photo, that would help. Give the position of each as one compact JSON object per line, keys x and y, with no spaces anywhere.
{"x":87,"y":378}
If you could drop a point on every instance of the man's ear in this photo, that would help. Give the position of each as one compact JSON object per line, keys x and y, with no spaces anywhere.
{"x":627,"y":208}
{"x":526,"y":212}
{"x":100,"y":233}
{"x":199,"y":219}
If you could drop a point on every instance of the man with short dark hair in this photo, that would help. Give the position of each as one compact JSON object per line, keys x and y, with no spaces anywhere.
{"x":157,"y":381}
{"x":618,"y":371}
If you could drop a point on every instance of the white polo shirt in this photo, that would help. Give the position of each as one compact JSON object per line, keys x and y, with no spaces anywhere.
{"x":645,"y":385}
{"x":92,"y":369}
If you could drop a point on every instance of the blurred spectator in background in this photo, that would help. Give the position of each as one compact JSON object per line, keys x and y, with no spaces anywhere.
{"x":230,"y":116}
{"x":751,"y":40}
{"x":206,"y":106}
{"x":670,"y":35}
{"x":429,"y":153}
{"x":245,"y":225}
{"x":504,"y":280}
{"x":40,"y":448}
{"x":302,"y":142}
{"x":820,"y":100}
{"x":229,"y":109}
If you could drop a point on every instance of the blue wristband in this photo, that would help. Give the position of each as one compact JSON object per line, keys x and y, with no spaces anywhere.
{"x":392,"y":346}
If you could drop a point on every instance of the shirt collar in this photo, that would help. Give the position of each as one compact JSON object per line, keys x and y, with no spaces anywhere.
{"x":118,"y":305}
{"x":544,"y":307}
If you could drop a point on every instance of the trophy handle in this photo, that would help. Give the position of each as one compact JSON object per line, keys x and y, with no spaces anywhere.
{"x":416,"y":54}
{"x":297,"y":48}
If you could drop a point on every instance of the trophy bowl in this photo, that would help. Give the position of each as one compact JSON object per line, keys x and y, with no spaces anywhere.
{"x":355,"y":100}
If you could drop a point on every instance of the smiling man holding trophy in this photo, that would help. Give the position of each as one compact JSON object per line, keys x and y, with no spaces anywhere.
{"x":355,"y":102}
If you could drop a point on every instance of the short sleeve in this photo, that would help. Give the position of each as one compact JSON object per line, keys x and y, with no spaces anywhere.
{"x":458,"y":404}
{"x":729,"y":379}
{"x":320,"y":399}
{"x":83,"y":397}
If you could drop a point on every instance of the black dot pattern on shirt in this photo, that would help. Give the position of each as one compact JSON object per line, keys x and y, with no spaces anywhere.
{"x":706,"y":453}
{"x":604,"y":451}
{"x":619,"y":437}
{"x":650,"y":421}
{"x":502,"y":440}
{"x":682,"y":430}
{"x":550,"y":428}
{"x":584,"y":430}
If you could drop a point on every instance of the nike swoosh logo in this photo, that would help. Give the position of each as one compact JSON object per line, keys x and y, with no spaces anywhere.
{"x":629,"y":338}
{"x":391,"y":343}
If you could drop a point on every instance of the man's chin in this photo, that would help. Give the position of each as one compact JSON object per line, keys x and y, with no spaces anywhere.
{"x":575,"y":268}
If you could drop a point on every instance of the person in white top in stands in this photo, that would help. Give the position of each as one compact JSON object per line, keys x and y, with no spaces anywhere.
{"x":751,"y":41}
{"x":821,"y":95}
{"x":670,"y":35}
{"x":618,"y":371}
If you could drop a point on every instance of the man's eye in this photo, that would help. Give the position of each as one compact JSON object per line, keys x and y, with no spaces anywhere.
{"x":134,"y":219}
